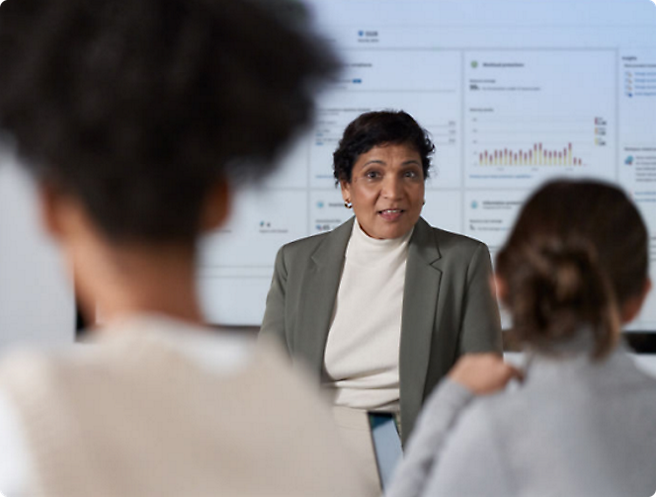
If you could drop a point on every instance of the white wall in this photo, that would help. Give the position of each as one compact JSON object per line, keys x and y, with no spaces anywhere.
{"x":36,"y":298}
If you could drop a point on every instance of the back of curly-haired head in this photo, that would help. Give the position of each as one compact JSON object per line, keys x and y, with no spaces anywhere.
{"x":380,"y":128}
{"x":577,"y":253}
{"x":137,"y":107}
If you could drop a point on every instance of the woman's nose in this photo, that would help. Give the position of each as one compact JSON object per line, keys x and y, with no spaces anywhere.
{"x":392,"y":187}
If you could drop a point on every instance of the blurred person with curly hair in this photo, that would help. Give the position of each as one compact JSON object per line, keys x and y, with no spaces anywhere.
{"x":137,"y":118}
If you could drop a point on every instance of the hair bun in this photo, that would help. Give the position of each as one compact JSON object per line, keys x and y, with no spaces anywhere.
{"x":569,"y":270}
{"x":576,"y":255}
{"x":558,"y":287}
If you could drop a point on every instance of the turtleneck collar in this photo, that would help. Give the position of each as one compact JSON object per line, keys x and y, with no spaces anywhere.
{"x":364,"y":249}
{"x":375,"y":243}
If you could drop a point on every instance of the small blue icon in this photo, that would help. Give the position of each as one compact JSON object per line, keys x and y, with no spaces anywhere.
{"x":629,"y":160}
{"x":357,"y":81}
{"x":474,"y":204}
{"x":360,"y":33}
{"x":320,"y":204}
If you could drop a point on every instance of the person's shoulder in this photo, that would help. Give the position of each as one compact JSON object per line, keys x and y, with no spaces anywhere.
{"x":450,"y":241}
{"x":309,"y":244}
{"x":628,"y":374}
{"x":109,"y":351}
{"x":495,"y":414}
{"x":34,"y":365}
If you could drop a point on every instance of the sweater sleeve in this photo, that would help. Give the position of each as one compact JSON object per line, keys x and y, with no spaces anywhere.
{"x":427,"y":440}
{"x":14,"y":459}
{"x":473,"y":462}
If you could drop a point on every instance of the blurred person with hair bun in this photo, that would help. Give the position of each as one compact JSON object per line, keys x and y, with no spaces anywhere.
{"x":137,"y":118}
{"x":573,"y":271}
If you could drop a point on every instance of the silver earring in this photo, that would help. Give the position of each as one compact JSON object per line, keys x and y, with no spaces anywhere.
{"x":348,"y":205}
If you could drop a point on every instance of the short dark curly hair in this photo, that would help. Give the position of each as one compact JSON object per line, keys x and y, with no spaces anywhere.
{"x":138,"y":107}
{"x":380,"y":128}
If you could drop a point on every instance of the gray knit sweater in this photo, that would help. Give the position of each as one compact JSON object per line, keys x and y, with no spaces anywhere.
{"x":574,"y":428}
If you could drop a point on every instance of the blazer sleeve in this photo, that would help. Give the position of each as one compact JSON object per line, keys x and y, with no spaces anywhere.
{"x":481,"y":327}
{"x":273,"y":323}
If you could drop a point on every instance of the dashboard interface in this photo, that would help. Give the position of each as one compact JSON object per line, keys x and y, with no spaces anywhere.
{"x":513,"y":93}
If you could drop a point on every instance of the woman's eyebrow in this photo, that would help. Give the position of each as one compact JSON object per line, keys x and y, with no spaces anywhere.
{"x":404,"y":163}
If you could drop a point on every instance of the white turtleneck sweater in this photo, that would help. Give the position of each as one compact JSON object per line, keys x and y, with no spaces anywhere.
{"x":362,"y":351}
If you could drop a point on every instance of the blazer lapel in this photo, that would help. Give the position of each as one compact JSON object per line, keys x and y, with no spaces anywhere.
{"x":321,"y":283}
{"x":421,"y":292}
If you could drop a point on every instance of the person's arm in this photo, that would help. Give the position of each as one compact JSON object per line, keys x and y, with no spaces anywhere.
{"x":473,"y":464}
{"x":273,"y":323}
{"x":474,"y":374}
{"x":481,"y":327}
{"x":437,"y":417}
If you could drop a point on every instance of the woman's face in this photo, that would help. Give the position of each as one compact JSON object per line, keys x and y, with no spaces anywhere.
{"x":386,"y":190}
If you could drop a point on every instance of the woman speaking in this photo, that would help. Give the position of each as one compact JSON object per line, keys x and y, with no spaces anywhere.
{"x":381,"y":307}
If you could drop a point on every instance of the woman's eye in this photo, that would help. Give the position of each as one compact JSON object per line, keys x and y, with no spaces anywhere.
{"x":372,"y":174}
{"x":411,"y":174}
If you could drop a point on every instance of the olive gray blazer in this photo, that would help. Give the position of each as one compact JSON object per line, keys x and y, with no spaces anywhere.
{"x":448,"y":306}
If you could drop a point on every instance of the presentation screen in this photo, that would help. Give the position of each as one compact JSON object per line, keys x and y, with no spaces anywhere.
{"x":513,"y":93}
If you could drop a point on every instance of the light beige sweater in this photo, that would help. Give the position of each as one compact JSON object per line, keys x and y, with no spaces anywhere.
{"x":136,"y":416}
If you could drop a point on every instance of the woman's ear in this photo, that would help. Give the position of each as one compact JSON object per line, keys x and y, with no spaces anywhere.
{"x":216,"y":209}
{"x":632,"y":306}
{"x":346,"y":190}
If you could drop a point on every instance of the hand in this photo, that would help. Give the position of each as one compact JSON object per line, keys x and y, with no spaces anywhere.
{"x":483,"y":373}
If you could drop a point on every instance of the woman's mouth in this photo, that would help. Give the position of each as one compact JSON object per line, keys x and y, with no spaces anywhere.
{"x":391,"y":214}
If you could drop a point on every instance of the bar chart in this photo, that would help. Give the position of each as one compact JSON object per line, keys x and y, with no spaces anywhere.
{"x":540,"y":142}
{"x":535,"y":156}
{"x":523,"y":126}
